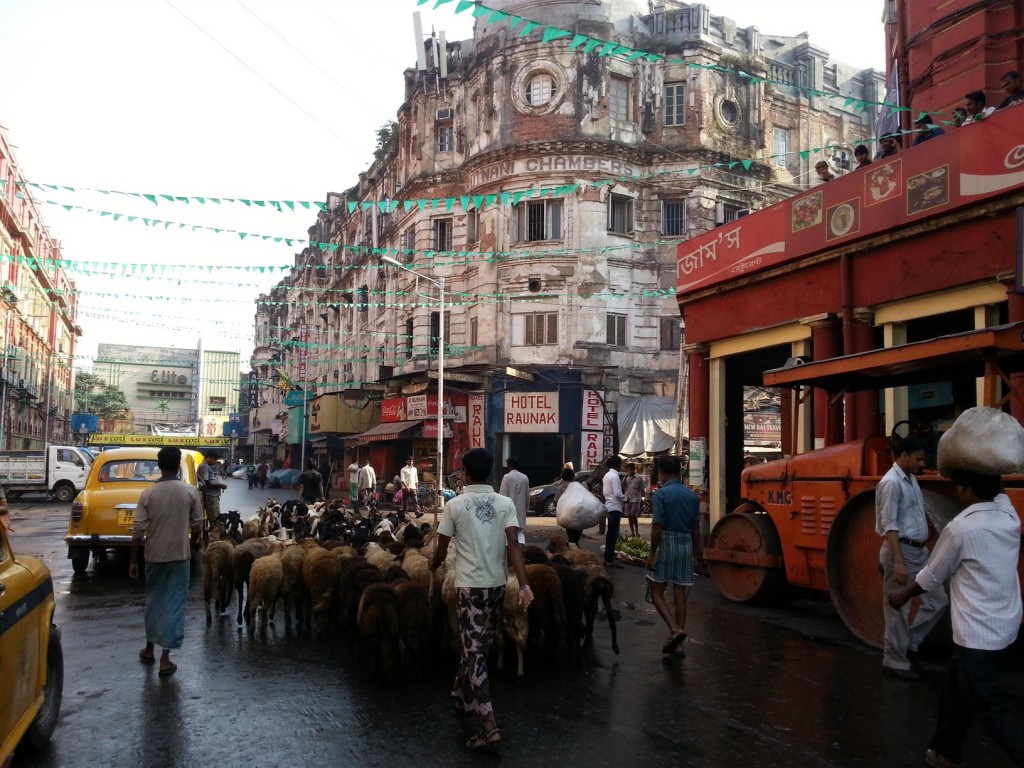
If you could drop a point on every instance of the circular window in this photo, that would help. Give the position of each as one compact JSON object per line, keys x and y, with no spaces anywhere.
{"x":534,"y":285}
{"x":539,"y":90}
{"x":729,"y":111}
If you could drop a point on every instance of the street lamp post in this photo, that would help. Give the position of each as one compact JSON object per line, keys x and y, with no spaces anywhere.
{"x":439,"y":282}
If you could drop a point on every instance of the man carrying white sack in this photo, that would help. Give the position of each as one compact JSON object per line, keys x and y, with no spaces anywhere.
{"x":977,"y":552}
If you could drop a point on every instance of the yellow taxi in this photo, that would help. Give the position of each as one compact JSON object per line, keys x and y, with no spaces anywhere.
{"x":31,"y":659}
{"x":102,"y":515}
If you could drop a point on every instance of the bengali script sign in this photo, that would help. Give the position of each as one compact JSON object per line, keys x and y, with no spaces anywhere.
{"x":964,"y":167}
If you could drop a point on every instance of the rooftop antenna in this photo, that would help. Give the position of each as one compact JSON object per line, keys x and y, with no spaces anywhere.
{"x":442,"y":60}
{"x":417,"y":27}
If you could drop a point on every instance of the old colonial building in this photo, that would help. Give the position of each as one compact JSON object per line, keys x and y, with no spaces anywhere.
{"x":38,"y":328}
{"x":160,"y":385}
{"x":547,"y":185}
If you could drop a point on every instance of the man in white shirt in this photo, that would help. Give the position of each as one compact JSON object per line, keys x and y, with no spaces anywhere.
{"x":483,"y":526}
{"x":977,"y":552}
{"x":410,"y":488}
{"x":614,"y":499}
{"x":367,"y":482}
{"x":901,"y":522}
{"x":516,"y":486}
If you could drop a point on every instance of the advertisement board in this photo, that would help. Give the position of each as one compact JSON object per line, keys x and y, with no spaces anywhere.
{"x":531,"y":412}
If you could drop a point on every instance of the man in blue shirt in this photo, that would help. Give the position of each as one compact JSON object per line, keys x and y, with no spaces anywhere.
{"x":674,"y":535}
{"x":926,"y":129}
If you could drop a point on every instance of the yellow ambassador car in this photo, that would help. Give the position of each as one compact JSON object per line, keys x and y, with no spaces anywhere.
{"x":31,"y":660}
{"x":103,"y":513}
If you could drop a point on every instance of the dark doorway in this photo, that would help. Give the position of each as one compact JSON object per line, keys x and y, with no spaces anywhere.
{"x":540,"y":456}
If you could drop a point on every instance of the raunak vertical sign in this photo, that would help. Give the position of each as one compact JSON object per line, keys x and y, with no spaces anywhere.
{"x":476,"y":421}
{"x":531,"y":411}
{"x":303,"y":352}
{"x":592,"y":425}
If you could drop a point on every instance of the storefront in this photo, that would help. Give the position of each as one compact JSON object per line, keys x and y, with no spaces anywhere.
{"x":333,"y":417}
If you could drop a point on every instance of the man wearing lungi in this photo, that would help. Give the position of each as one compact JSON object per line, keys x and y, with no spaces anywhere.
{"x":165,"y":512}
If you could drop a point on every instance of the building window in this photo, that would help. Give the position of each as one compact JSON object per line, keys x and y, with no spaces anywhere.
{"x":442,"y":234}
{"x":780,"y":146}
{"x":620,"y":214}
{"x":473,"y":335}
{"x":618,"y":98}
{"x":539,"y":220}
{"x":472,"y":226}
{"x":445,"y":138}
{"x":616,"y":330}
{"x":730,"y":213}
{"x":673,"y":218}
{"x":535,"y":329}
{"x":670,"y":334}
{"x":674,"y":104}
{"x":435,"y":332}
{"x":540,"y":89}
{"x":410,"y":330}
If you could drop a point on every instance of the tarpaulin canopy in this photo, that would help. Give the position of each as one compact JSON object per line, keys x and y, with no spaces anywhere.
{"x":387,"y":431}
{"x":647,"y":424}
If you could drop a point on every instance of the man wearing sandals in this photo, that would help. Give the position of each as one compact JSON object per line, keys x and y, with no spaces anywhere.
{"x":485,"y":529}
{"x":165,"y":511}
{"x":674,"y":531}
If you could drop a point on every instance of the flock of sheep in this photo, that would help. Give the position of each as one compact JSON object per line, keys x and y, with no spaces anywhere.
{"x":383,"y":593}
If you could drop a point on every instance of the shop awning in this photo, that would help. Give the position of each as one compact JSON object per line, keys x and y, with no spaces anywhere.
{"x":388,"y":431}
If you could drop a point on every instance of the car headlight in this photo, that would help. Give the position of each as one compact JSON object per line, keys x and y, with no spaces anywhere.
{"x":536,"y":492}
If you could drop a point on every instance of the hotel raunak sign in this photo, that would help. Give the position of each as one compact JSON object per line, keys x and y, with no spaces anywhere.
{"x":965,"y":166}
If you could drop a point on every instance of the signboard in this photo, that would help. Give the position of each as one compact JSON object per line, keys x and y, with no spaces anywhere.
{"x":698,"y":456}
{"x":303,"y":351}
{"x":531,"y":412}
{"x":963,"y":167}
{"x":393,"y":409}
{"x":420,"y":407}
{"x":476,"y":421}
{"x":297,"y":396}
{"x":100,"y":438}
{"x":593,"y":448}
{"x":764,"y":429}
{"x":593,"y":411}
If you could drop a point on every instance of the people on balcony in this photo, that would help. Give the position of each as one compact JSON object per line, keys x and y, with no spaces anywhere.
{"x":974,"y":103}
{"x":890,"y":145}
{"x":926,"y":129}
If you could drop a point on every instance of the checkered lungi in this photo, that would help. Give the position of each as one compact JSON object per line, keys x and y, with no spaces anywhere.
{"x":674,"y":560}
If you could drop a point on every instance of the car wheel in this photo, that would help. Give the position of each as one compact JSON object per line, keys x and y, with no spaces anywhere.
{"x":39,"y":733}
{"x":64,"y":493}
{"x":550,"y":506}
{"x":80,"y":562}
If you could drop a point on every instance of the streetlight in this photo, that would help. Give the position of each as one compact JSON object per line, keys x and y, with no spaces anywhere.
{"x":439,"y":282}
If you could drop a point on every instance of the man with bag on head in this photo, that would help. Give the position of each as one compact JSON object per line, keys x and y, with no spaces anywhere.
{"x":977,"y":553}
{"x":901,"y":522}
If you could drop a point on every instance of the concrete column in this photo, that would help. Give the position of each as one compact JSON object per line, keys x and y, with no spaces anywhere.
{"x":802,"y":411}
{"x":699,"y":388}
{"x":897,"y":403}
{"x":828,"y":342}
{"x":865,"y":404}
{"x":716,"y":448}
{"x":985,"y":317}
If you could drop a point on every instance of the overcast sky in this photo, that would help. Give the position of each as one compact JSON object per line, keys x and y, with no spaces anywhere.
{"x":257,"y":99}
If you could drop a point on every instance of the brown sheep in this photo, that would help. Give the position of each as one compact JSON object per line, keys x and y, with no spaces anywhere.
{"x":246,"y":554}
{"x":516,"y":625}
{"x":265,"y":580}
{"x":354,"y":576}
{"x":597,"y":586}
{"x":558,"y":545}
{"x":293,"y":587}
{"x":251,"y":528}
{"x":320,"y":574}
{"x":415,"y":622}
{"x":581,"y":557}
{"x":379,"y":631}
{"x":218,"y":575}
{"x":547,"y":611}
{"x":534,"y":555}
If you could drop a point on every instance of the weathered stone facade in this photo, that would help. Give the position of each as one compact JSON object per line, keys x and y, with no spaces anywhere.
{"x":578,"y":279}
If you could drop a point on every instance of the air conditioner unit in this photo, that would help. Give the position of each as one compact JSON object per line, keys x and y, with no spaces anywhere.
{"x":445,"y":114}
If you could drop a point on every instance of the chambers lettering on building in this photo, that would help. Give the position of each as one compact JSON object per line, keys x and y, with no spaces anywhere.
{"x":531,"y":412}
{"x":551,"y":163}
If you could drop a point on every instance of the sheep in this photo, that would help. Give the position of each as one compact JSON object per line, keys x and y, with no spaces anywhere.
{"x":581,"y":557}
{"x":597,"y":586}
{"x":293,"y":587}
{"x":547,"y":611}
{"x":515,"y":624}
{"x":415,"y":622}
{"x":418,"y":568}
{"x":251,"y":528}
{"x":218,"y":575}
{"x":395,"y":574}
{"x":377,"y":556}
{"x":379,"y":630}
{"x":575,"y":600}
{"x":534,"y":555}
{"x":269,"y":520}
{"x":265,"y":581}
{"x":320,"y":572}
{"x":245,"y":554}
{"x":558,"y":544}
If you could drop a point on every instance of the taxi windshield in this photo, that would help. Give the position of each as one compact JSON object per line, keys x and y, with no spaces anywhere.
{"x":130,"y":471}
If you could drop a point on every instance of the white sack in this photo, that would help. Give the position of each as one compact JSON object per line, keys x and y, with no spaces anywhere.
{"x":982,"y":440}
{"x":578,"y":509}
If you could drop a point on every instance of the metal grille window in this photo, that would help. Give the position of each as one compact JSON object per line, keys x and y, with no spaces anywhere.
{"x":616,"y":330}
{"x":539,"y":90}
{"x":540,"y":220}
{"x":618,"y":98}
{"x":442,"y":234}
{"x":674,"y":104}
{"x":673,"y":218}
{"x":445,"y":138}
{"x":473,"y":334}
{"x":620,"y":214}
{"x":540,"y":328}
{"x":670,"y":334}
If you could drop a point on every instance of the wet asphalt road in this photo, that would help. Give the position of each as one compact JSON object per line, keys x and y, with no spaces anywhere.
{"x":760,"y":687}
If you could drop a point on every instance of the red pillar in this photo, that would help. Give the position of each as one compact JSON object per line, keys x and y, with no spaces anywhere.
{"x":1016,"y":314}
{"x":866,"y":412}
{"x":699,"y":372}
{"x":827,"y":341}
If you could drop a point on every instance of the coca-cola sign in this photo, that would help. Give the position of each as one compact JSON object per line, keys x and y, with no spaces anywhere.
{"x":393,"y":409}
